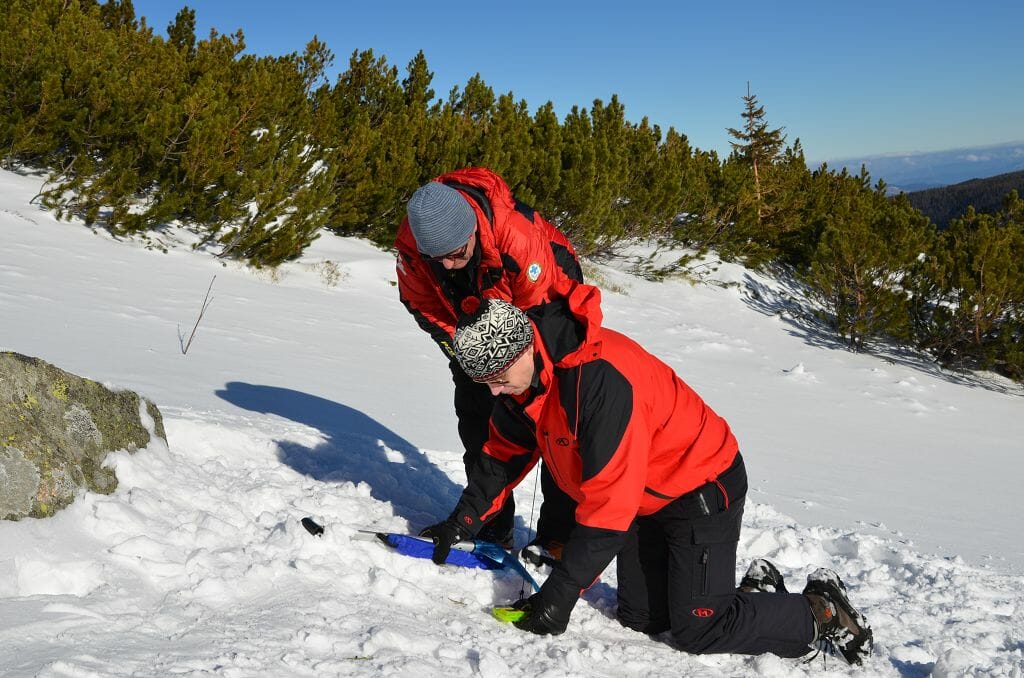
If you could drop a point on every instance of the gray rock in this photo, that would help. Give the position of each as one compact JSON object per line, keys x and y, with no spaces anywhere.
{"x":56,"y":429}
{"x":19,"y":482}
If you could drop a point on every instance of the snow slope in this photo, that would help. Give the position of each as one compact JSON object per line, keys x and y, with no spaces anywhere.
{"x":305,"y":395}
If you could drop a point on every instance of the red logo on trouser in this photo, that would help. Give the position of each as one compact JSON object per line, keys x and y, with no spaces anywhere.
{"x":702,"y":612}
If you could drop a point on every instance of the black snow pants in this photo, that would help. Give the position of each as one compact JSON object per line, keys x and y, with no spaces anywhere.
{"x":677,"y":572}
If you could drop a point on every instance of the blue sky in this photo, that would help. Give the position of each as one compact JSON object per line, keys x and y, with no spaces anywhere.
{"x":849,"y":79}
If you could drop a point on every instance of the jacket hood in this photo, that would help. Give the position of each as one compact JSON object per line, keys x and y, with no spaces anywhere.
{"x":486,"y":180}
{"x":570,"y":325}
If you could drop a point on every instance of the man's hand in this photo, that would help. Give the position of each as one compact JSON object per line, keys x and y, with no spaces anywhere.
{"x":444,"y":535}
{"x":541,"y":617}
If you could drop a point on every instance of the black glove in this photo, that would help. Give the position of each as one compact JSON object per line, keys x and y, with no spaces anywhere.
{"x":542,"y":617}
{"x":444,"y":535}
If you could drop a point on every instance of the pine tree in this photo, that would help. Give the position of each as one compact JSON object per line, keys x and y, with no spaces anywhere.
{"x":119,"y":14}
{"x":421,"y":111}
{"x":31,"y":96}
{"x":785,"y":225}
{"x":578,"y":177}
{"x":460,"y":126}
{"x":543,"y":182}
{"x":283,"y":189}
{"x":506,"y":144}
{"x":112,"y":76}
{"x":757,"y":145}
{"x":654,"y":190}
{"x":378,"y":144}
{"x":679,"y":170}
{"x":182,"y":33}
{"x":607,"y":213}
{"x":866,"y":247}
{"x":974,"y":310}
{"x":592,"y":191}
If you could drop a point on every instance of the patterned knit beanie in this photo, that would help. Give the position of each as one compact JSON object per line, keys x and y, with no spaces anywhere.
{"x":440,"y":218}
{"x":491,"y":338}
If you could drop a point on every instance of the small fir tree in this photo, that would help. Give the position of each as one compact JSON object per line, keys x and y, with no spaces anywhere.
{"x":756,"y":145}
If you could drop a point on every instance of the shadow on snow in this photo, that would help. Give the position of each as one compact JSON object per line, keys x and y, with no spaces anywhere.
{"x":791,"y":305}
{"x":356,"y":449}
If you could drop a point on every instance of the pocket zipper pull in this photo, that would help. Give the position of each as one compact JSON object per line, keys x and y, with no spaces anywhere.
{"x":703,"y":504}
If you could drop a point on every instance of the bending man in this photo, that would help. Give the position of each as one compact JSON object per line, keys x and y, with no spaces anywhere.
{"x":466,"y":236}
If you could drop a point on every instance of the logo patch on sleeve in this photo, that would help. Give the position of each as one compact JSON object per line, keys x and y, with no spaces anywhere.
{"x":533,"y":271}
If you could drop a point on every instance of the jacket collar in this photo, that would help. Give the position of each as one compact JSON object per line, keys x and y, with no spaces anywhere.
{"x":568,"y":328}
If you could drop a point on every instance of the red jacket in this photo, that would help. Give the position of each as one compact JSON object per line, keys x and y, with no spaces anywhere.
{"x":620,"y":432}
{"x":519,"y":257}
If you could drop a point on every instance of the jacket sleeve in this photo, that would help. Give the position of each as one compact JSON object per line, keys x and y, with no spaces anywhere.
{"x":535,"y":257}
{"x":418,"y":294}
{"x":614,"y":441}
{"x":509,"y":454}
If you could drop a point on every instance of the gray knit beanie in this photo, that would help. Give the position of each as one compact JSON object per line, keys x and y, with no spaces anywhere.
{"x":491,"y":339}
{"x":440,"y":218}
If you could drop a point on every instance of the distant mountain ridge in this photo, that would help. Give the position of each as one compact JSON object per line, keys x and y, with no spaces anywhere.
{"x":907,"y":172}
{"x":949,"y":202}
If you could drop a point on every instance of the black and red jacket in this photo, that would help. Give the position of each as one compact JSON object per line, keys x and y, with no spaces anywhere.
{"x":620,"y":432}
{"x":519,"y":256}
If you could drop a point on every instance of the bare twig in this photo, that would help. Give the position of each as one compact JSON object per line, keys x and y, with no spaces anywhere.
{"x":206,"y":303}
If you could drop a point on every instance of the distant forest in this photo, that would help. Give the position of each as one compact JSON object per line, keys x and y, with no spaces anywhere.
{"x":137,"y":128}
{"x":946,"y":203}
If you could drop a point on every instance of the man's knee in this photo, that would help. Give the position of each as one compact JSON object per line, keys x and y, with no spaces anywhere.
{"x":641,"y":621}
{"x":695,"y":638}
{"x":647,"y":626}
{"x":704,"y":624}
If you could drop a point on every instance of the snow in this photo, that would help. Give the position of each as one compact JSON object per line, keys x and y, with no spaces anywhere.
{"x":307,"y":392}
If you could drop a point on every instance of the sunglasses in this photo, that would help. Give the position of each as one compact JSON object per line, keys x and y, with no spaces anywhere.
{"x":455,"y":254}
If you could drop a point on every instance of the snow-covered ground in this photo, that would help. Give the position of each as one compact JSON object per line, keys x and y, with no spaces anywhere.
{"x":303,"y":394}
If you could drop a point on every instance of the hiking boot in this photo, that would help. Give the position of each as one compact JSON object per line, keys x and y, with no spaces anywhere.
{"x":762,"y":577}
{"x":502,"y":538}
{"x":539,"y":554}
{"x":839,"y":628}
